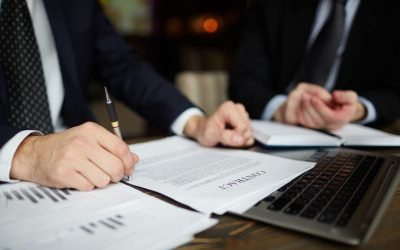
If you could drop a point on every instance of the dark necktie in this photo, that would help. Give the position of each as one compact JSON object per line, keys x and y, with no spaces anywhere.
{"x":319,"y":59}
{"x":20,"y":58}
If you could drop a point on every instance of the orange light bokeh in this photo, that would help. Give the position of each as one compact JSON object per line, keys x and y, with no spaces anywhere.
{"x":210,"y":25}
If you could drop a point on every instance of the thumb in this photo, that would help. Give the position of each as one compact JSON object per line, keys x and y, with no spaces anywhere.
{"x":345,"y":97}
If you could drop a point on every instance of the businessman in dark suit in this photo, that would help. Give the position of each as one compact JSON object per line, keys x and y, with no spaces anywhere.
{"x":50,"y":50}
{"x":361,"y":82}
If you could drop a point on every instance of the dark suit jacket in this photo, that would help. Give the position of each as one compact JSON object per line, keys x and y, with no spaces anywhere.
{"x":274,"y":40}
{"x":89,"y":49}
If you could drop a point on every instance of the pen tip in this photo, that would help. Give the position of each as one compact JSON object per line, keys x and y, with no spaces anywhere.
{"x":107,"y":96}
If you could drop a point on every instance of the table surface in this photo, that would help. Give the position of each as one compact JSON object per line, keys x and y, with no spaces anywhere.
{"x":233,"y":232}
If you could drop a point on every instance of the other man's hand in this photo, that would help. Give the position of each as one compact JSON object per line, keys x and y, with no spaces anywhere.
{"x":344,"y":108}
{"x":289,"y":111}
{"x":83,"y":157}
{"x":229,"y":125}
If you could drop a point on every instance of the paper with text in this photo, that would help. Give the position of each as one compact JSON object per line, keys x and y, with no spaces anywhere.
{"x":210,"y":180}
{"x":116,"y":217}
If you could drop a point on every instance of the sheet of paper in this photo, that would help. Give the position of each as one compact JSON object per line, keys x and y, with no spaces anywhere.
{"x":283,"y":135}
{"x":28,"y":200}
{"x":136,"y":222}
{"x":358,"y":135}
{"x":209,"y":180}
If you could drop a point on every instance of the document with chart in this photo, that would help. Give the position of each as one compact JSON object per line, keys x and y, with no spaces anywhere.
{"x":116,"y":217}
{"x":210,"y":180}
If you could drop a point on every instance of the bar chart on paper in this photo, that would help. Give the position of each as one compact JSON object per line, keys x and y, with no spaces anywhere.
{"x":137,"y":222}
{"x":36,"y":194}
{"x":112,"y":223}
{"x":31,"y":200}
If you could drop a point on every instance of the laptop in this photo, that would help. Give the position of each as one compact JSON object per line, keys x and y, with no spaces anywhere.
{"x":342,"y":198}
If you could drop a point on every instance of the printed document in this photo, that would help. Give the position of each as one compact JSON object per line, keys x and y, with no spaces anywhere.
{"x":116,"y":217}
{"x":210,"y":180}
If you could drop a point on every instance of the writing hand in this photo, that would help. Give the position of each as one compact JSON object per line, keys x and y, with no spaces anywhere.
{"x":229,"y":125}
{"x":83,"y":157}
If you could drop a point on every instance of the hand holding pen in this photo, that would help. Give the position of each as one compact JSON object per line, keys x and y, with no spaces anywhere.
{"x":113,"y":119}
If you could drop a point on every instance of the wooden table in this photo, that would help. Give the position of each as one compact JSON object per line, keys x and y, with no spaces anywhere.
{"x":233,"y":232}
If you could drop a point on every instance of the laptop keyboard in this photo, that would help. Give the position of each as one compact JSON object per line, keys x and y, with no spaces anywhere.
{"x":331,"y":191}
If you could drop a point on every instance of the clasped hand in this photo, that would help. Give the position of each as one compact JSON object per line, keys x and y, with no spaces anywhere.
{"x":314,"y":107}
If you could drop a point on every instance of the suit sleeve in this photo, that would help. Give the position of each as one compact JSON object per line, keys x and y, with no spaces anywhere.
{"x":131,"y":80}
{"x":251,"y":80}
{"x":7,"y":132}
{"x":386,"y":95}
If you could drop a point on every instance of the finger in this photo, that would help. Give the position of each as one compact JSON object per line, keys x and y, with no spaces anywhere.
{"x":109,"y":164}
{"x":314,"y":118}
{"x":249,"y":142}
{"x":242,"y":111}
{"x":228,"y":113}
{"x":300,"y":117}
{"x":292,"y":107}
{"x":326,"y":113}
{"x":345,"y":97}
{"x":77,"y":181}
{"x":93,"y":174}
{"x":110,"y":142}
{"x":135,"y":159}
{"x":315,"y":90}
{"x":231,"y":138}
{"x":248,"y":137}
{"x":307,"y":120}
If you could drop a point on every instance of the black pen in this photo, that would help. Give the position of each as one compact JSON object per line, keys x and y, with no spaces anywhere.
{"x":112,"y":114}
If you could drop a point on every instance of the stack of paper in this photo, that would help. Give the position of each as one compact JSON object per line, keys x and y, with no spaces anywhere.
{"x":211,"y":180}
{"x":117,"y":217}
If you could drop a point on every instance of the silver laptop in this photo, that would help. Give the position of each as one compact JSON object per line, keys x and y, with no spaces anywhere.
{"x":342,"y":198}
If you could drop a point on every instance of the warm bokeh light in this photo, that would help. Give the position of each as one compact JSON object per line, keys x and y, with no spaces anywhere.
{"x":210,"y":25}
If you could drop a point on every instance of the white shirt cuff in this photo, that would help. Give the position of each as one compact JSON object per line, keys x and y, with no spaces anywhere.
{"x":179,"y":124}
{"x":7,"y":153}
{"x":273,"y":106}
{"x":371,"y":111}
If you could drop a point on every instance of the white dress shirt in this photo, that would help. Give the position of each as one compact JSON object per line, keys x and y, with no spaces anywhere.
{"x":54,"y":85}
{"x":321,"y":17}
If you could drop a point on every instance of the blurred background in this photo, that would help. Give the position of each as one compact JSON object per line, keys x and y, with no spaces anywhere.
{"x":179,"y":35}
{"x":191,"y":43}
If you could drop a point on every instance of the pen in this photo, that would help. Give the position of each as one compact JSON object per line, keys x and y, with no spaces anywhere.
{"x":112,"y":114}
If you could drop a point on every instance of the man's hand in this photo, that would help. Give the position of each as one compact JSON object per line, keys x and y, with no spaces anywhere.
{"x":288,"y":112}
{"x":344,"y":108}
{"x":229,"y":125}
{"x":83,"y":157}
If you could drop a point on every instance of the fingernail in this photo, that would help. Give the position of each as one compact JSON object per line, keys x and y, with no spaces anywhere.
{"x":237,"y":139}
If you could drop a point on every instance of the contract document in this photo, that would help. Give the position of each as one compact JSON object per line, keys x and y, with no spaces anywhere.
{"x":116,"y":217}
{"x":211,"y":180}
